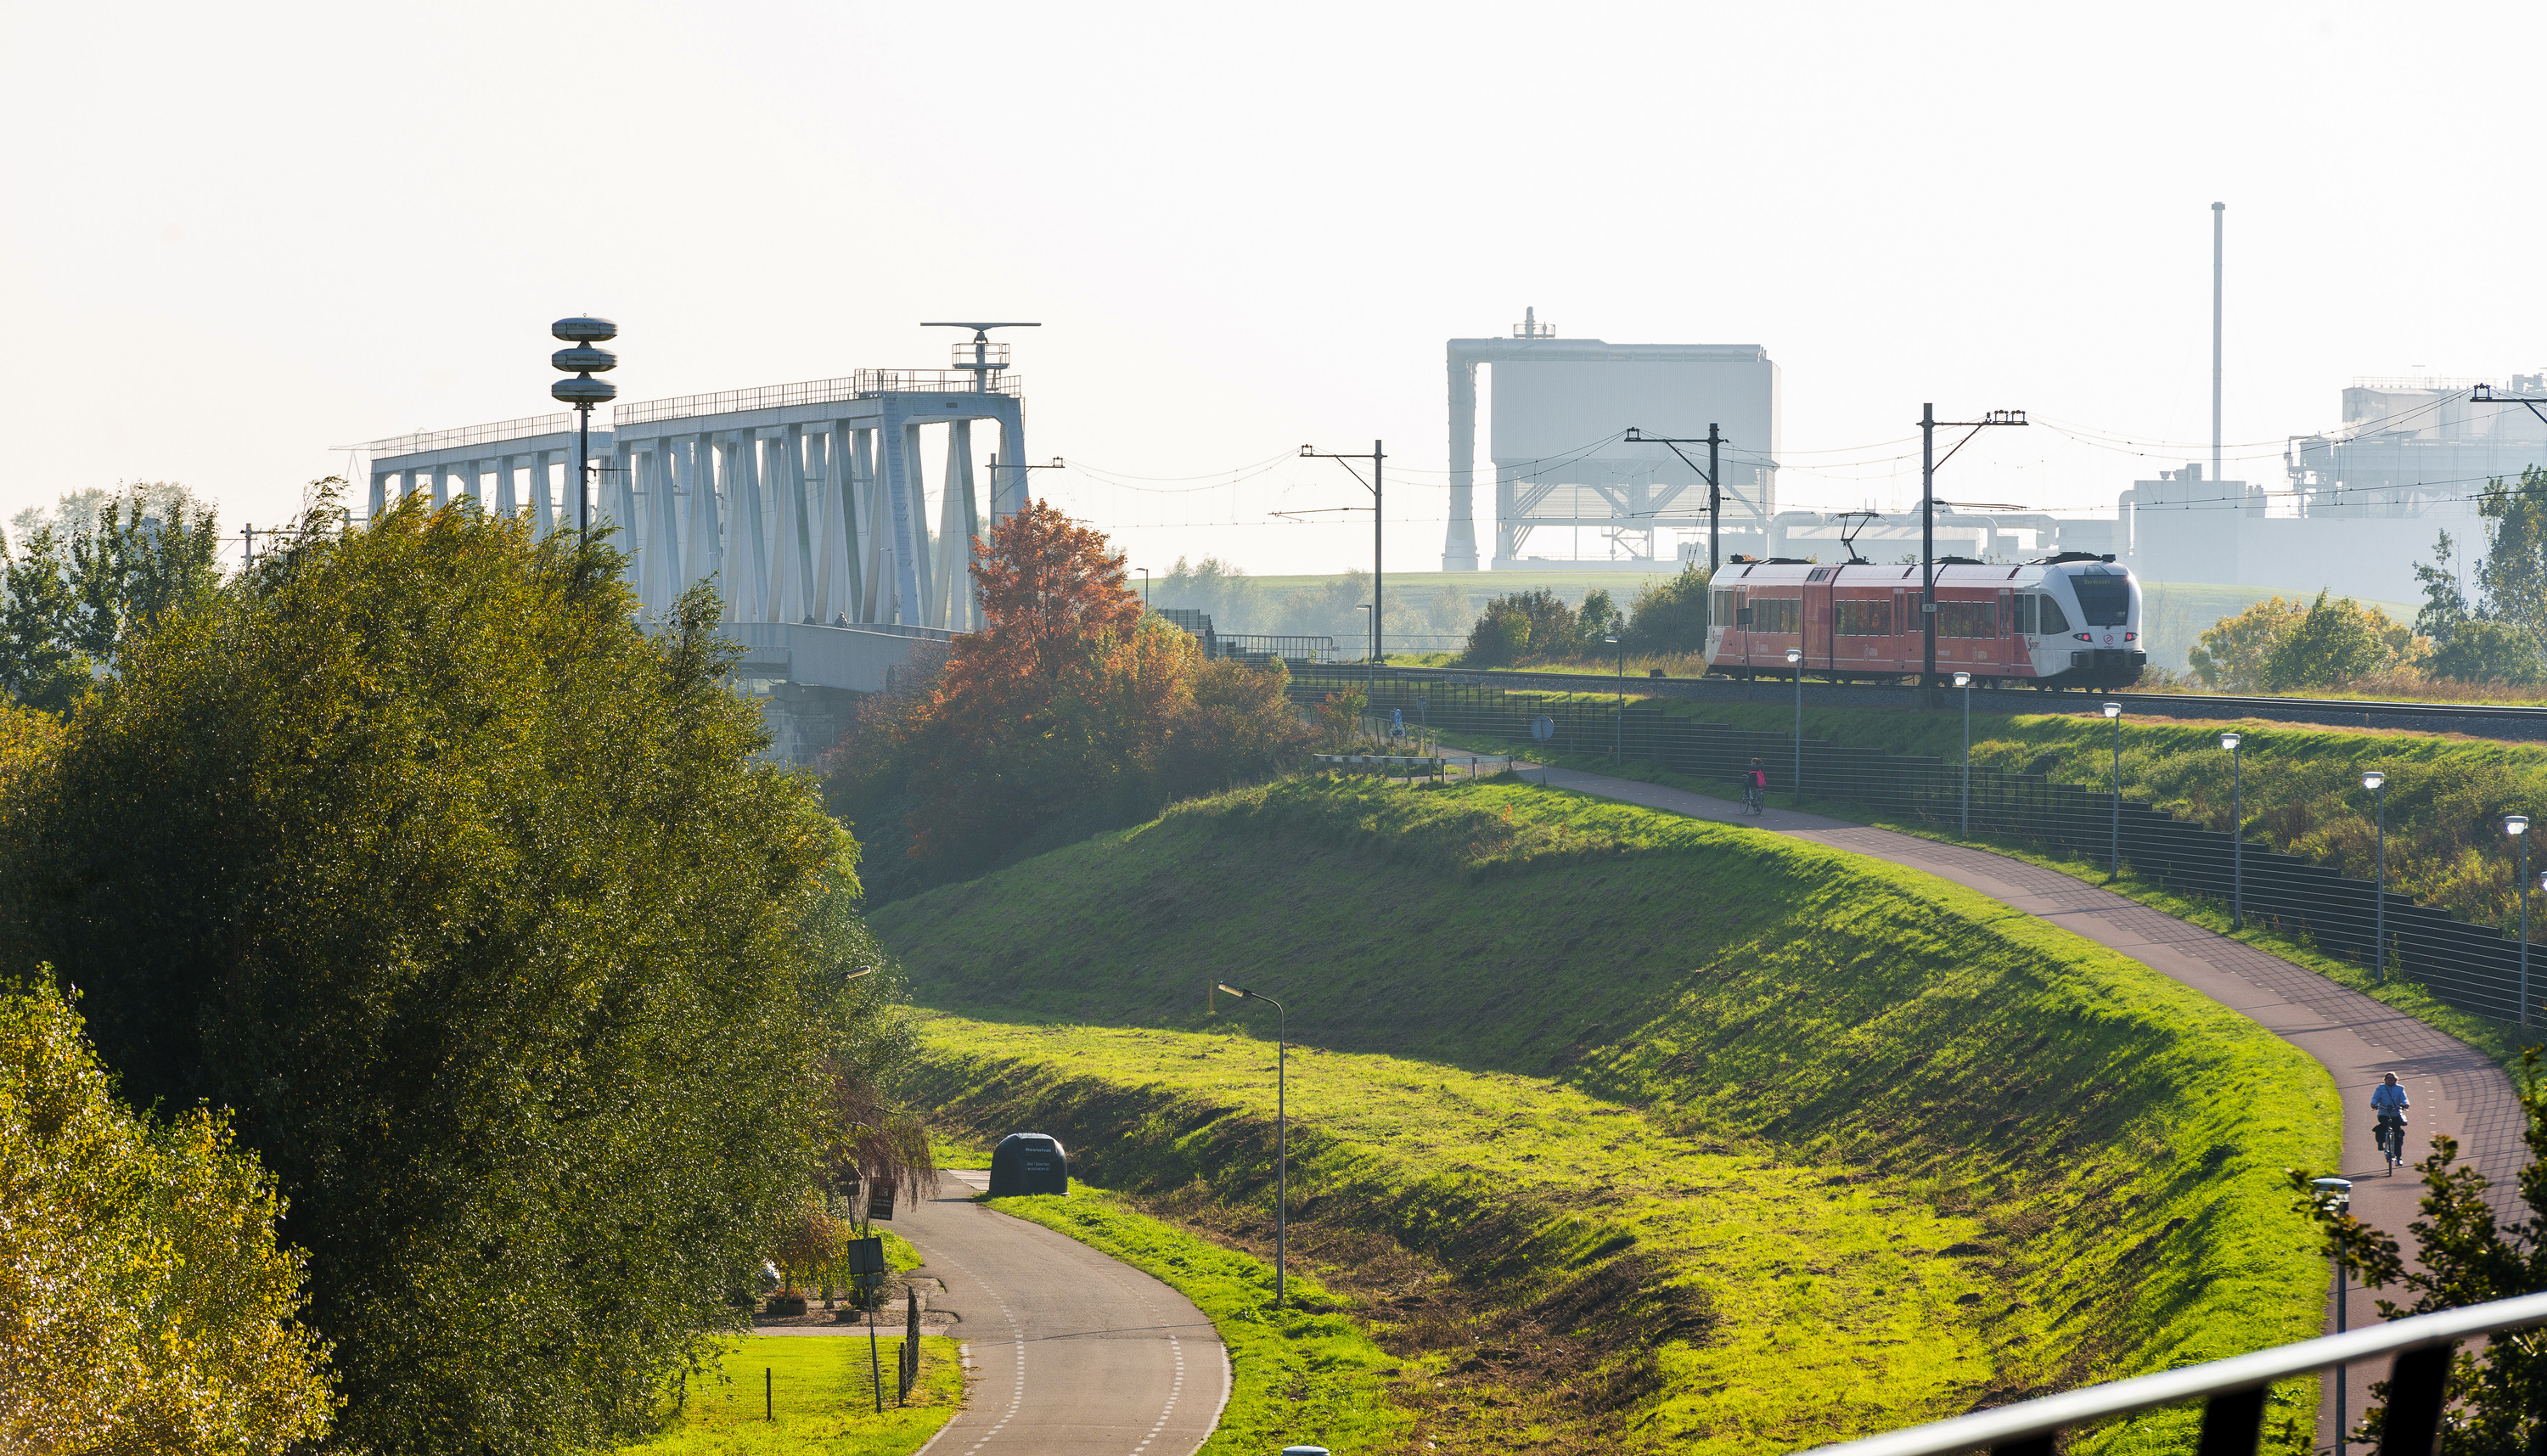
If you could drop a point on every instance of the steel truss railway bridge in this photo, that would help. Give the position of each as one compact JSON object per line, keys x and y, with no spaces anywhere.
{"x":810,"y":506}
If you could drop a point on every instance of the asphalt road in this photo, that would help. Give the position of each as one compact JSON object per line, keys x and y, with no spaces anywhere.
{"x":2455,"y":1089}
{"x":1072,"y":1353}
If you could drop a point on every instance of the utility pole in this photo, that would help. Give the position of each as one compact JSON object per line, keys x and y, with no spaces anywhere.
{"x":2484,"y":394}
{"x":1928,"y":464}
{"x":247,"y":541}
{"x":1714,"y":496}
{"x":1377,"y":517}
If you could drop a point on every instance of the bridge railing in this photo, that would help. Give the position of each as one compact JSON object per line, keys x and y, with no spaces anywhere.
{"x":2232,"y":1391}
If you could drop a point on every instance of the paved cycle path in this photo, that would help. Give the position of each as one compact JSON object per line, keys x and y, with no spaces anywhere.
{"x":1072,"y":1353}
{"x":2456,"y":1089}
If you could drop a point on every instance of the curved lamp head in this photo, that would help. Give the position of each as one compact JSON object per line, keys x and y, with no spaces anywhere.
{"x":2337,"y":1191}
{"x":1232,"y":990}
{"x":2113,"y":709}
{"x":2373,"y":779}
{"x":2229,"y":741}
{"x":1611,"y":641}
{"x":1962,"y":679}
{"x":1794,"y":656}
{"x":2515,"y":824}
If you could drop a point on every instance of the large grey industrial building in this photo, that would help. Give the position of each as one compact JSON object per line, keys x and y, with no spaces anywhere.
{"x":2357,"y":507}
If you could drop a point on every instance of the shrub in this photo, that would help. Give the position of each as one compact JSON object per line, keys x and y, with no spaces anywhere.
{"x":2484,"y":651}
{"x":144,"y":1304}
{"x":2333,"y":642}
{"x":1671,"y":616}
{"x":1535,"y":624}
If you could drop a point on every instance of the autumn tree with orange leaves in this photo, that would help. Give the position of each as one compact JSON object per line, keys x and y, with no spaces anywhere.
{"x":1067,"y":713}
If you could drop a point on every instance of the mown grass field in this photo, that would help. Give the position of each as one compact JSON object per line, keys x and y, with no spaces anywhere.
{"x":822,"y":1398}
{"x":1624,"y":1127}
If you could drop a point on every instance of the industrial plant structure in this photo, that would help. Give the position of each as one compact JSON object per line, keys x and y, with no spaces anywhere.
{"x":1561,"y":408}
{"x":2358,"y":506}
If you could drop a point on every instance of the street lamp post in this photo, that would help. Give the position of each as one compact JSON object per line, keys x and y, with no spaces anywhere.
{"x":2518,"y":826}
{"x":1795,"y":659}
{"x":2377,"y":783}
{"x":2337,"y":1192}
{"x":2237,"y":833}
{"x":1619,"y":738}
{"x":1964,"y":680}
{"x":584,"y":391}
{"x":1145,"y":586}
{"x":1281,"y":1134}
{"x":2114,"y":857}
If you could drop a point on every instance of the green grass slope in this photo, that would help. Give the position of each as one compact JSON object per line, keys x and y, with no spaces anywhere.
{"x":2301,"y":792}
{"x":1624,"y":1126}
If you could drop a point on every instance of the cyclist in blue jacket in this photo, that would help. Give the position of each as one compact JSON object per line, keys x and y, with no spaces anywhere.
{"x":2388,"y":1101}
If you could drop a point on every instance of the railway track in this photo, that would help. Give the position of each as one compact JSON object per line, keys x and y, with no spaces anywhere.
{"x":2476,"y":720}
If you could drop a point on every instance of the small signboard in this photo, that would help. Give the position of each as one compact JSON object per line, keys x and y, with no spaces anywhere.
{"x":880,"y":1193}
{"x":1542,"y":727}
{"x":866,"y":1261}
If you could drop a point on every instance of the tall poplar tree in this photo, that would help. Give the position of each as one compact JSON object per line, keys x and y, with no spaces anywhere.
{"x":465,"y":894}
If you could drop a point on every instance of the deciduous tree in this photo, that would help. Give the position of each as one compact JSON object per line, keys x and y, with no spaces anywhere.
{"x":145,"y":1303}
{"x":2334,"y":641}
{"x":2233,"y":654}
{"x":466,"y":894}
{"x":1067,"y":712}
{"x":1671,"y":616}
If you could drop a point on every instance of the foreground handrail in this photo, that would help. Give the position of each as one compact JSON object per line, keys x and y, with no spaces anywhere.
{"x":2415,"y":1392}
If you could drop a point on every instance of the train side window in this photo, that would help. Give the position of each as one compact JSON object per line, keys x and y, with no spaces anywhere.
{"x":2025,"y":614}
{"x":2055,"y":624}
{"x":1861,"y":618}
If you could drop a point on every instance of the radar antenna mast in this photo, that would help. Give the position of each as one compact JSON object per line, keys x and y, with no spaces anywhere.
{"x":983,"y":365}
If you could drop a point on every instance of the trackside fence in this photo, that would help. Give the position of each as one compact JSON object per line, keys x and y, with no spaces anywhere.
{"x":2473,"y":968}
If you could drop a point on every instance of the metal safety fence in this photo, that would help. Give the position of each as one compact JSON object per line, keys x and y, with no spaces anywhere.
{"x":2474,"y":968}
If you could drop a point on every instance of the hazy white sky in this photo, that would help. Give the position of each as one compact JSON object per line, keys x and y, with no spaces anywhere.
{"x":236,"y":236}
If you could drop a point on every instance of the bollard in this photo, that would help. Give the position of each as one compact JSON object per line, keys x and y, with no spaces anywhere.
{"x":768,"y":1396}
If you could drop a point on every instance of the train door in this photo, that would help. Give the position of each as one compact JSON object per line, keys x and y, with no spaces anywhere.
{"x":1818,"y":623}
{"x":1903,"y":602}
{"x":2004,"y":643}
{"x":1739,"y":638}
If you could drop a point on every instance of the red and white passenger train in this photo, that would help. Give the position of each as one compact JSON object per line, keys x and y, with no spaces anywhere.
{"x":2071,"y":621}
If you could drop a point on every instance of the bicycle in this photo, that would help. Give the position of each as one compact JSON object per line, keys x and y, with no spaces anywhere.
{"x":2392,"y":1140}
{"x":1751,"y":797}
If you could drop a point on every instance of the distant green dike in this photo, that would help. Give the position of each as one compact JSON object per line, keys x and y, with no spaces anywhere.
{"x":1781,"y":1145}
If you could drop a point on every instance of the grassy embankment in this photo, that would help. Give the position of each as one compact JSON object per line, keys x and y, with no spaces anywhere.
{"x":1616,"y":1126}
{"x":818,"y":1387}
{"x":2302,"y":795}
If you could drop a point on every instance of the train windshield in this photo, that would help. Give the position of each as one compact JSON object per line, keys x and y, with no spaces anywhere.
{"x":2105,"y":600}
